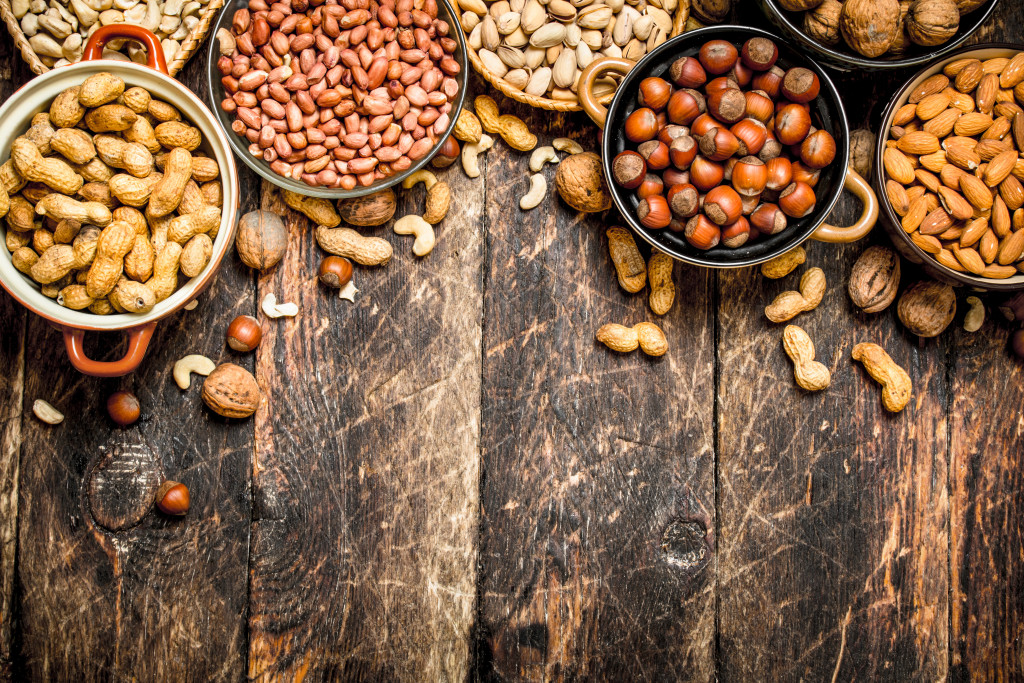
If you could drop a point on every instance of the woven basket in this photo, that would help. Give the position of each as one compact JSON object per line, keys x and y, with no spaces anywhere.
{"x":679,"y":25}
{"x":187,"y":49}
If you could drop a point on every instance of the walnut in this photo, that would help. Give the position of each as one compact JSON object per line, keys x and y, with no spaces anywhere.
{"x":870,"y":26}
{"x":932,"y":22}
{"x":261,"y":239}
{"x":966,"y":6}
{"x":927,"y":308}
{"x":875,"y":279}
{"x":899,"y":45}
{"x":862,"y":148}
{"x":800,"y":5}
{"x":231,"y":391}
{"x":822,"y":23}
{"x":371,"y":210}
{"x":580,"y":182}
{"x":711,"y":11}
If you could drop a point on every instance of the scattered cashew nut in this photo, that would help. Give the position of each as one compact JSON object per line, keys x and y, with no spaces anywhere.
{"x":421,"y":176}
{"x":567,"y":145}
{"x":183,"y":369}
{"x":541,"y":156}
{"x":272,"y":309}
{"x":192,"y":305}
{"x":415,"y":225}
{"x":469,"y":154}
{"x":538,"y":190}
{"x":47,"y":413}
{"x":349,"y":291}
{"x":975,"y":316}
{"x":809,"y":373}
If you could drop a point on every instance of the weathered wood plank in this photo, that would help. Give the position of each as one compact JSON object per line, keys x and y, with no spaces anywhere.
{"x":366,"y":466}
{"x":597,"y":549}
{"x":159,"y":599}
{"x":987,"y":512}
{"x":13,"y":319}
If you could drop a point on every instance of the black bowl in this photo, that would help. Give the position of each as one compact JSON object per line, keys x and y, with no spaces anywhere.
{"x":240,"y":146}
{"x":887,"y":216}
{"x":842,"y":58}
{"x":826,"y":110}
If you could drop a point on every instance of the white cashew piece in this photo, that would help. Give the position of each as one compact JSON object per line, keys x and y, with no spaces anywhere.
{"x":538,"y":189}
{"x":226,"y":41}
{"x":415,"y":225}
{"x":422,"y":176}
{"x":55,"y":26}
{"x":46,"y":46}
{"x":86,"y":14}
{"x":541,"y":156}
{"x":567,"y":145}
{"x":30,"y":25}
{"x":183,"y":369}
{"x":348,"y":291}
{"x":73,"y":47}
{"x":272,"y":309}
{"x":47,"y":413}
{"x":192,"y":305}
{"x":975,"y":317}
{"x":20,"y":8}
{"x":170,"y":48}
{"x":470,"y":150}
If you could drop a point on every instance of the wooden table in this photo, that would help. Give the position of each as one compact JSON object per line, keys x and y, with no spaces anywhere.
{"x":449,"y":479}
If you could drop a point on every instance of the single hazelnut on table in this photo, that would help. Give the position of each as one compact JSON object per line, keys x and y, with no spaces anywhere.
{"x":244,"y":333}
{"x":335,"y":271}
{"x":172,"y":498}
{"x":123,"y":408}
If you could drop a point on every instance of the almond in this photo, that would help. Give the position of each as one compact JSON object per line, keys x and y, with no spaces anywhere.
{"x":918,"y":142}
{"x":972,"y":124}
{"x":985,"y":97}
{"x":1018,"y":170}
{"x":936,"y":222}
{"x":987,"y":149}
{"x":904,"y":115}
{"x":1000,"y":167}
{"x":1018,"y":129}
{"x":995,"y":65}
{"x":1012,"y":192}
{"x":988,"y":247}
{"x":952,"y":234}
{"x":929,"y":86}
{"x":1012,"y":248}
{"x":969,"y":259}
{"x":942,"y":125}
{"x":998,"y":130}
{"x":950,"y":176}
{"x":898,"y":166}
{"x":956,"y":66}
{"x":932,"y":106}
{"x":928,"y":179}
{"x":1000,"y":218}
{"x":969,"y":76}
{"x":927,"y":243}
{"x":1013,"y":73}
{"x":976,"y":192}
{"x":897,"y":196}
{"x":973,"y":232}
{"x":934,"y":161}
{"x":954,"y":204}
{"x":915,"y":192}
{"x":946,"y":258}
{"x":963,"y":157}
{"x":997,"y":272}
{"x":915,"y":215}
{"x":960,"y":100}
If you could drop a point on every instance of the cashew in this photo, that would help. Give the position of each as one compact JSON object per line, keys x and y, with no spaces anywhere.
{"x":183,"y":369}
{"x":73,"y":47}
{"x":272,"y":309}
{"x":86,"y":14}
{"x":172,"y":8}
{"x":348,"y":291}
{"x":567,"y":145}
{"x":47,"y":413}
{"x":55,"y":26}
{"x":538,"y":189}
{"x":124,"y":4}
{"x":470,"y":150}
{"x":20,"y":8}
{"x":415,"y":225}
{"x":975,"y":316}
{"x":226,"y":41}
{"x":191,"y":8}
{"x":168,"y":24}
{"x":30,"y":25}
{"x":170,"y":48}
{"x":541,"y":156}
{"x":45,"y":46}
{"x":192,"y":305}
{"x":422,"y":176}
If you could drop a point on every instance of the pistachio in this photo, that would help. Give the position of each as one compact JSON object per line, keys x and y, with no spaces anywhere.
{"x":548,"y":35}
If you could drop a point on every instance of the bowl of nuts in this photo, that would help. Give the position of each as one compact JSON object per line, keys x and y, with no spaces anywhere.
{"x":120,"y":197}
{"x":337,"y":99}
{"x":724,"y":148}
{"x":951,"y":168}
{"x":866,"y":35}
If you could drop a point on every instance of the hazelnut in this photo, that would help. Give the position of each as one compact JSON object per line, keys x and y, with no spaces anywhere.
{"x":701,"y":233}
{"x":653,"y":212}
{"x":705,"y":174}
{"x":172,"y":498}
{"x":244,"y":333}
{"x":654,"y":93}
{"x":652,"y":185}
{"x":686,"y":72}
{"x":123,"y":408}
{"x":628,"y":169}
{"x":723,"y":205}
{"x":797,"y":200}
{"x":759,"y":53}
{"x":642,"y":125}
{"x":447,"y":153}
{"x":736,"y":234}
{"x":335,"y":271}
{"x":717,"y":56}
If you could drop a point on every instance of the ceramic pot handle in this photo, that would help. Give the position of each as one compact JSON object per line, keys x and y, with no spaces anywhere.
{"x":103,"y":35}
{"x":138,"y":341}
{"x":860,"y":188}
{"x":588,"y":100}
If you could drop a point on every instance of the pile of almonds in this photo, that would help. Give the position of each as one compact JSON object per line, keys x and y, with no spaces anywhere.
{"x":339,"y":94}
{"x":954,"y":168}
{"x":541,"y":48}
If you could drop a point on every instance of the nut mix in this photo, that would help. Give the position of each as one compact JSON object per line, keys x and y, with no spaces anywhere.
{"x":108,"y":199}
{"x":724,"y":165}
{"x":343,"y":94}
{"x":541,"y":48}
{"x":954,"y":168}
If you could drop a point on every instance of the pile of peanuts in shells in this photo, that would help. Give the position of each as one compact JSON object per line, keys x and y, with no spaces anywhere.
{"x":541,"y":46}
{"x":339,"y":94}
{"x":58,"y":31}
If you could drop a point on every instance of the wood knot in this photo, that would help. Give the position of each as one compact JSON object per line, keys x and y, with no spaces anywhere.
{"x":684,"y":543}
{"x":123,"y":484}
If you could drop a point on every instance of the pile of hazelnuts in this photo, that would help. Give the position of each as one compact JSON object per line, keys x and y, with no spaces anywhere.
{"x":726,"y":150}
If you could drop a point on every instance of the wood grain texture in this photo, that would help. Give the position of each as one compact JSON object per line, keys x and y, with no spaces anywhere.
{"x":366,"y":467}
{"x":157,"y":598}
{"x":598,"y":534}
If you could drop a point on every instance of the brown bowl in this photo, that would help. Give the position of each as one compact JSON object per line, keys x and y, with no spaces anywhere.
{"x":891,"y":222}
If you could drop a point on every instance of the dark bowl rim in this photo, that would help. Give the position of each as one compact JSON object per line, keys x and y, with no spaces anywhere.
{"x":823,"y":210}
{"x":886,"y":211}
{"x":852,"y":60}
{"x":262,"y":168}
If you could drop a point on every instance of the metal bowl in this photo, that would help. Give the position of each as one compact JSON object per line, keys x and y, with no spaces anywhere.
{"x":240,"y":146}
{"x":891,"y":222}
{"x":842,"y":58}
